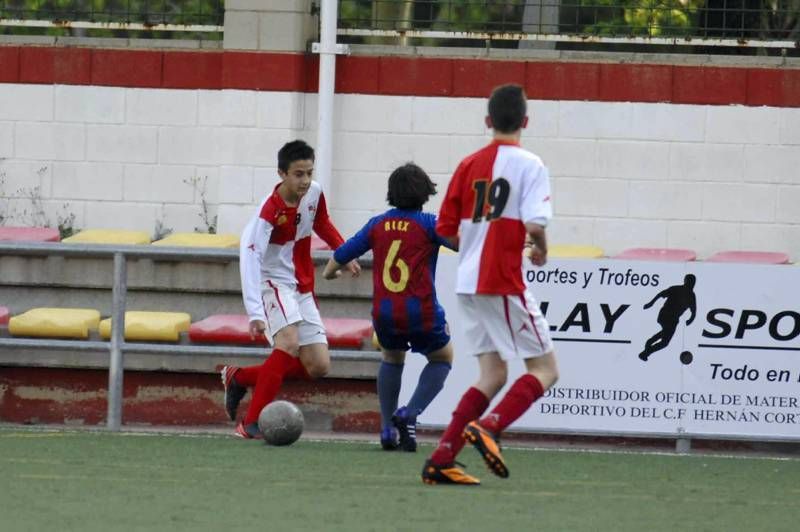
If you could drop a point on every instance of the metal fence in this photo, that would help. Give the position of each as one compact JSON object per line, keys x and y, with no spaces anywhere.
{"x":729,"y":22}
{"x":118,"y":346}
{"x":113,"y":15}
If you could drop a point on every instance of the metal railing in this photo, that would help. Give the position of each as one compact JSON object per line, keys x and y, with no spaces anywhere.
{"x":109,"y":16}
{"x":118,"y":346}
{"x":741,"y":23}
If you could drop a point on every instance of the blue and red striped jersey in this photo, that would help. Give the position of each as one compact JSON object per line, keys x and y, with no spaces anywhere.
{"x":404,"y":247}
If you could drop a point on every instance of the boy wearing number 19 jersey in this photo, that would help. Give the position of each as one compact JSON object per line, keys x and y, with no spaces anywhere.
{"x":497,"y":201}
{"x":406,"y":313}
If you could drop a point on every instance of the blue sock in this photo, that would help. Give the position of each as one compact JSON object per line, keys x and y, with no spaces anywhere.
{"x":431,"y":381}
{"x":390,"y":377}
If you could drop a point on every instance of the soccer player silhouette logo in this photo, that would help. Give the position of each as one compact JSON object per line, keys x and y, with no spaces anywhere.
{"x":678,"y":299}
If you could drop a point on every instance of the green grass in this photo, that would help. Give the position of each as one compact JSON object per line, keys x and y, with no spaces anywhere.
{"x":100,"y":481}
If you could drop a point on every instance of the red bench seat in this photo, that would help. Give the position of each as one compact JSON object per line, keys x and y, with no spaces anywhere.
{"x":233,"y":329}
{"x":29,"y":234}
{"x":658,"y":254}
{"x":750,"y":257}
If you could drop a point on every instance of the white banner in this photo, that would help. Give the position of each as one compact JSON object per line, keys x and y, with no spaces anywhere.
{"x":721,"y":342}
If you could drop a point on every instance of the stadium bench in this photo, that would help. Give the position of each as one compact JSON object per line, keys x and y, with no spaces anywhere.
{"x":751,"y":257}
{"x":233,"y":329}
{"x":109,"y":236}
{"x":658,"y":254}
{"x":5,"y":314}
{"x":55,"y":323}
{"x":199,"y":240}
{"x":574,"y":251}
{"x":150,"y":326}
{"x":29,"y":234}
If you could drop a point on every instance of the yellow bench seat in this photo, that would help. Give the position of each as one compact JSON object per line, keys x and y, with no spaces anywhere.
{"x":574,"y":251}
{"x":109,"y":236}
{"x":151,"y":326}
{"x":199,"y":240}
{"x":55,"y":323}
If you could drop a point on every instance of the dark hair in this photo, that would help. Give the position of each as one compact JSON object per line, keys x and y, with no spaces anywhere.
{"x":507,"y":108}
{"x":409,"y":187}
{"x":296,"y":150}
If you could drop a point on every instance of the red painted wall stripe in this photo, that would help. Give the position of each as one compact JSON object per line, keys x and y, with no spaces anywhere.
{"x":562,"y":81}
{"x":477,"y":77}
{"x":709,"y":85}
{"x":9,"y":64}
{"x":402,"y":76}
{"x":642,"y":83}
{"x":127,"y":68}
{"x":192,"y":70}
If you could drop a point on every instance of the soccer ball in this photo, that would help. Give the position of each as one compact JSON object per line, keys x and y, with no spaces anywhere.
{"x":281,"y":423}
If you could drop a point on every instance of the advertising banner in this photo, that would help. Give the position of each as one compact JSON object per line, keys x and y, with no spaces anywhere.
{"x":652,"y":348}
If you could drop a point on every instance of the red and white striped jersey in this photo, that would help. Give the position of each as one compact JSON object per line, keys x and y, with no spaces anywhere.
{"x":276,"y":246}
{"x":491,"y":196}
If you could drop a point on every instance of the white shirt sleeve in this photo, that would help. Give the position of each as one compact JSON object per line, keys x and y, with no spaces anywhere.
{"x":536,"y":206}
{"x":252,"y":249}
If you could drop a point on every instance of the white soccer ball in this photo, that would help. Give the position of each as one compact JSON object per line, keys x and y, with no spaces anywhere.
{"x":281,"y":423}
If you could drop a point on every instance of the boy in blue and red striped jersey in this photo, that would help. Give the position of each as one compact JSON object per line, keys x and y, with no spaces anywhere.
{"x":405,"y":312}
{"x":497,"y":200}
{"x":278,"y":286}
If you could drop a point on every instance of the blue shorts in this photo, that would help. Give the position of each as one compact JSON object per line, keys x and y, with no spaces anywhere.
{"x":419,"y":342}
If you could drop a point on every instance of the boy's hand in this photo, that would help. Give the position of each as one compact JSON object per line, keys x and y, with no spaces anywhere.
{"x":535,"y":254}
{"x":353,"y":267}
{"x":332,"y":270}
{"x":257,"y":328}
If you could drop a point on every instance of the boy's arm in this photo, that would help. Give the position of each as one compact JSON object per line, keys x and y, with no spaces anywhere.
{"x":323,"y":225}
{"x":449,"y":242}
{"x":349,"y":251}
{"x":252,"y":249}
{"x":536,"y":244}
{"x":449,"y":219}
{"x":536,"y":210}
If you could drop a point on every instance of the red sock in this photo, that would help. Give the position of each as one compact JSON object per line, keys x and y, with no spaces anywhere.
{"x":270,"y":378}
{"x":472,"y":405}
{"x":517,"y":400}
{"x":298,"y":371}
{"x":247,"y":376}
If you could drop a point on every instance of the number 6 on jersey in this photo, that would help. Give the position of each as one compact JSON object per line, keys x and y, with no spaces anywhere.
{"x":392,"y":260}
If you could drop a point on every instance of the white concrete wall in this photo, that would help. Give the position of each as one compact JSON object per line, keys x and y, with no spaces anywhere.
{"x":624,"y":174}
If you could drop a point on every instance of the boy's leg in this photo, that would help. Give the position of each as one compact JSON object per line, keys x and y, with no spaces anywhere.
{"x":390,"y":375}
{"x":440,"y":468}
{"x":247,"y":376}
{"x":472,"y":404}
{"x":315,"y":359}
{"x":541,"y":374}
{"x":431,"y":379}
{"x":483,"y":435}
{"x":236,"y":381}
{"x":430,"y":383}
{"x":272,"y":373}
{"x":525,"y":331}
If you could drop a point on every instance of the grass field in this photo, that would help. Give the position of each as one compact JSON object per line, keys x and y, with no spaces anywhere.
{"x":75,"y":480}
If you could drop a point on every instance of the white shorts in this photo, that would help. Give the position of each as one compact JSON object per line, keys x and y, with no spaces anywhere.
{"x":286,"y":306}
{"x":513,"y":325}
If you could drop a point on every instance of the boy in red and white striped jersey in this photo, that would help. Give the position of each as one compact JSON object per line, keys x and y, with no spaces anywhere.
{"x":497,"y":203}
{"x":278,"y":286}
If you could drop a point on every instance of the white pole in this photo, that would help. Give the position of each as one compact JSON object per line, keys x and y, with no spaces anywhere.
{"x":116,"y":362}
{"x":323,"y":167}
